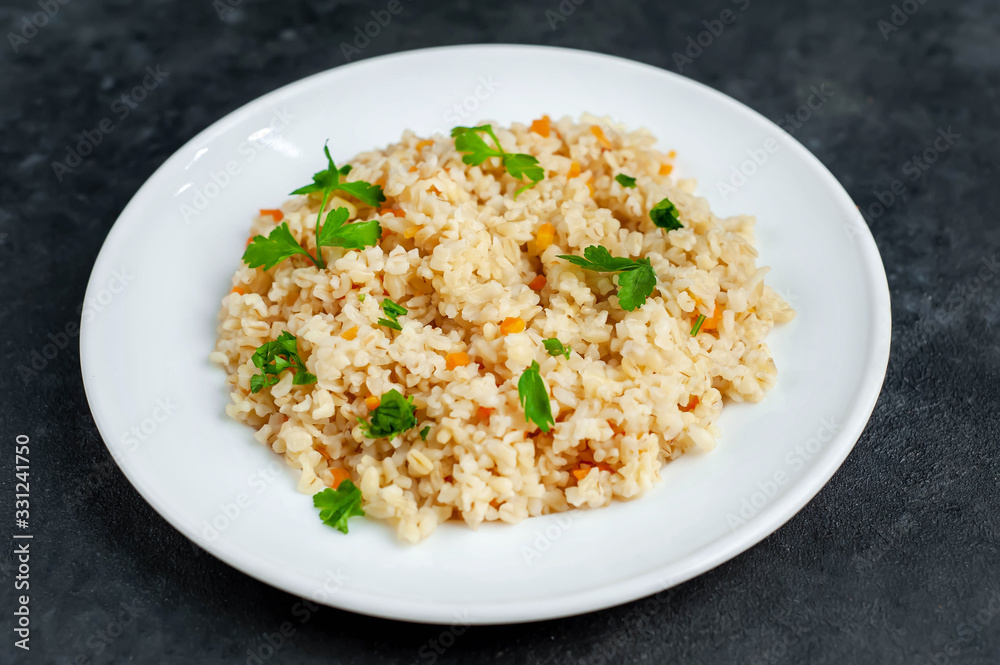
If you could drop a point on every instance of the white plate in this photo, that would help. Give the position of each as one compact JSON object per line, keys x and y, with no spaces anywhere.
{"x":150,"y":318}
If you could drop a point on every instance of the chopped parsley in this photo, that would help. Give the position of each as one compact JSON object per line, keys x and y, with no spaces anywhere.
{"x":534,"y":398}
{"x":280,"y":244}
{"x":556,"y":348}
{"x":424,"y":432}
{"x":697,"y":325}
{"x":273,"y":357}
{"x":665,"y":215}
{"x":392,"y":312}
{"x":625,"y":180}
{"x":393,"y":416}
{"x":636,"y":281}
{"x":337,"y":505}
{"x":518,"y":165}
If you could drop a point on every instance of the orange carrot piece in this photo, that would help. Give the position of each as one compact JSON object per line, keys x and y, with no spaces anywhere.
{"x":484,"y":412}
{"x":541,"y":126}
{"x":423,"y":144}
{"x":601,"y":138}
{"x":537,"y":284}
{"x":544,"y":236}
{"x":666,"y":169}
{"x":273,"y":212}
{"x":574,"y":169}
{"x":339,"y":475}
{"x":350,"y":333}
{"x":512,"y":324}
{"x":459,"y":359}
{"x":372,"y":402}
{"x":692,"y":403}
{"x":239,"y":290}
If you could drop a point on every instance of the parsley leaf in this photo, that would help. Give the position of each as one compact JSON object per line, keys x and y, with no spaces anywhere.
{"x":518,"y":164}
{"x":279,"y":245}
{"x":599,"y":259}
{"x":350,"y":236}
{"x":337,"y":505}
{"x":635,"y":284}
{"x":393,"y":416}
{"x":392,"y":312}
{"x":625,"y":181}
{"x":534,"y":398}
{"x":273,"y":357}
{"x":697,"y":325}
{"x":424,"y":432}
{"x":556,"y":348}
{"x":665,"y":215}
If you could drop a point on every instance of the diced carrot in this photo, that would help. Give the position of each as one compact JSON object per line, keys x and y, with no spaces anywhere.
{"x":512,"y":324}
{"x":422,"y":144}
{"x":599,"y":133}
{"x":574,"y":169}
{"x":537,"y":284}
{"x":413,"y":169}
{"x":484,"y":412}
{"x":672,"y":154}
{"x":544,"y":236}
{"x":459,"y":359}
{"x":340,"y":474}
{"x":581,"y":472}
{"x":541,"y":126}
{"x":372,"y":402}
{"x":411,"y":231}
{"x":381,"y":181}
{"x":434,"y":189}
{"x":350,"y":333}
{"x":666,"y":169}
{"x":712,"y":322}
{"x":276,"y":214}
{"x":239,"y":290}
{"x":692,"y":403}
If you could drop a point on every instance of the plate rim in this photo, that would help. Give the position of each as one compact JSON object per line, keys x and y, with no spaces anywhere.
{"x":768,"y":520}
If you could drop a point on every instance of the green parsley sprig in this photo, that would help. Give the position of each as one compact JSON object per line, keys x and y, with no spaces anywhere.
{"x":392,"y":312}
{"x":274,"y":357}
{"x":625,"y":180}
{"x":534,"y":397}
{"x":636,"y":279}
{"x":337,"y":505}
{"x":280,"y":244}
{"x":556,"y":348}
{"x":666,"y":216}
{"x":393,"y":416}
{"x":518,"y":164}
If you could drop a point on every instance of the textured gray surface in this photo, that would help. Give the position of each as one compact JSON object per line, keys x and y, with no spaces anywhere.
{"x":895,"y":561}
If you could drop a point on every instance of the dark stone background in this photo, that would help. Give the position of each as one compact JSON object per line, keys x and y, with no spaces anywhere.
{"x":895,"y":561}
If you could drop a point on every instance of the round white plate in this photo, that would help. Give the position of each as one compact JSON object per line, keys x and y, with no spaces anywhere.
{"x":150,"y":317}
